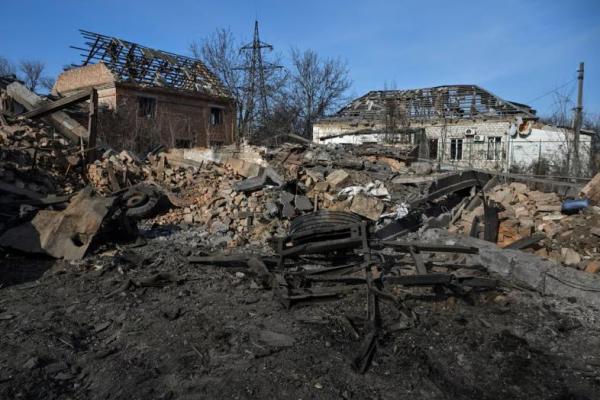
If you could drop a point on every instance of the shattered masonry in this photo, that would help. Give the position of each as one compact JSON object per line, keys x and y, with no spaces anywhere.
{"x":152,"y":265}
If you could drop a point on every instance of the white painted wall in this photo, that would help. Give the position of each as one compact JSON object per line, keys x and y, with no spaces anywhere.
{"x":518,"y":149}
{"x":550,"y":143}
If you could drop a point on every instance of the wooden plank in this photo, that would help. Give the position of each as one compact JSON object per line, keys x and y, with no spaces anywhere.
{"x":418,"y":259}
{"x":525,"y":242}
{"x":490,"y":221}
{"x":92,"y":126}
{"x":52,"y":107}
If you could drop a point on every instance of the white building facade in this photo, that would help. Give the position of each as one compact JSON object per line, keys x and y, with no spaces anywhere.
{"x":465,"y":127}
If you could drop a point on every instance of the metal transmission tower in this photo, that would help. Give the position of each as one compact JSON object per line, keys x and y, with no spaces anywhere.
{"x":255,"y":85}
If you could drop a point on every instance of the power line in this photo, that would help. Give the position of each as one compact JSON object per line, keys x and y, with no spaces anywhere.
{"x":552,"y":91}
{"x":255,"y":85}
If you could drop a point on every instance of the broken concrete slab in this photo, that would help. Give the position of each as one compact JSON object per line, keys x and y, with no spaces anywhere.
{"x":243,"y":168}
{"x":268,"y":177}
{"x":338,"y":178}
{"x":367,"y":206}
{"x":321,"y":187}
{"x":544,"y":276}
{"x":421,"y":168}
{"x":303,"y":203}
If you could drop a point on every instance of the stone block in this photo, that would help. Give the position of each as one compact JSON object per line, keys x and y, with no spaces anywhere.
{"x":369,"y":207}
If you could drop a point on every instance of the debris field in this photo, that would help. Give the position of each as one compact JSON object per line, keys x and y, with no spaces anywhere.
{"x":295,"y":271}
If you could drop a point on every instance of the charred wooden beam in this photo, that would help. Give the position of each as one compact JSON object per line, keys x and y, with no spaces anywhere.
{"x":60,"y":104}
{"x":525,"y":242}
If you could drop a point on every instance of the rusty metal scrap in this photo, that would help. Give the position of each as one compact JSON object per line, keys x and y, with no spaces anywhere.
{"x":62,"y":234}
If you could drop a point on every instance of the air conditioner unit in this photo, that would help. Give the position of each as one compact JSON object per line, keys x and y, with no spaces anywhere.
{"x":479,"y":138}
{"x":470,"y":131}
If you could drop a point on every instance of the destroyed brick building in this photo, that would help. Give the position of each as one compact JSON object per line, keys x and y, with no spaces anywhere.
{"x":463,"y":126}
{"x":355,"y":267}
{"x":149,"y":97}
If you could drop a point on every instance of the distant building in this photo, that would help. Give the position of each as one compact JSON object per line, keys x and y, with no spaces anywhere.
{"x":149,"y":97}
{"x":463,"y":125}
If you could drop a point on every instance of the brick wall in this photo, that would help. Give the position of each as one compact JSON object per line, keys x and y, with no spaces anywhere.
{"x":176,"y":120}
{"x":93,"y":75}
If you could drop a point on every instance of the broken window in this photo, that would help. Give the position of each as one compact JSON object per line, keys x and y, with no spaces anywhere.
{"x":183,"y":143}
{"x":456,"y":149}
{"x":216,"y":116}
{"x":494,"y":149}
{"x":146,"y":107}
{"x":433,"y":149}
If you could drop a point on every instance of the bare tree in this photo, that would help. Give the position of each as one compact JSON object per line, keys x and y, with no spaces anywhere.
{"x":6,"y":67}
{"x":220,"y":52}
{"x":47,"y":83}
{"x":317,"y":85}
{"x":32,"y":73}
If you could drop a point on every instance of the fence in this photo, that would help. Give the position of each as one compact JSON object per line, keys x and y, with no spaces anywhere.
{"x":542,"y":157}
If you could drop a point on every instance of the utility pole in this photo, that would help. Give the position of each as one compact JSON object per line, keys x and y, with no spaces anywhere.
{"x":577,"y":121}
{"x":255,"y":85}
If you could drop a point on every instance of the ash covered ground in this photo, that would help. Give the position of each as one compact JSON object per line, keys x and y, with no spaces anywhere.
{"x":89,"y":330}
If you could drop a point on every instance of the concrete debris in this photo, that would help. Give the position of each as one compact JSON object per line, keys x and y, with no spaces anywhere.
{"x":565,"y":235}
{"x":338,"y":178}
{"x":244,"y":254}
{"x":421,"y":168}
{"x":252,"y":198}
{"x":367,"y":206}
{"x":375,"y":189}
{"x":591,"y":190}
{"x":570,"y":256}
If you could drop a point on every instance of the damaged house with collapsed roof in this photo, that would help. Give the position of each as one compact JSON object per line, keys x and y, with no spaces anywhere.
{"x":149,"y":97}
{"x":458,"y":125}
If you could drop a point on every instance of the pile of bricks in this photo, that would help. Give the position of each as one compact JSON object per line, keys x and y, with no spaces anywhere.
{"x":573,"y":240}
{"x":255,"y":216}
{"x":34,"y":159}
{"x":113,"y":172}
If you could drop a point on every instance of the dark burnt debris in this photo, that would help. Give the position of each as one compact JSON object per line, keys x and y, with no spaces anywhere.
{"x":366,"y":251}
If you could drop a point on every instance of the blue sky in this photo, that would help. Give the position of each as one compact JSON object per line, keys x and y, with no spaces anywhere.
{"x":519,"y":50}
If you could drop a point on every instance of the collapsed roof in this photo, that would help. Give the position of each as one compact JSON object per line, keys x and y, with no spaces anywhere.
{"x":441,"y":102}
{"x":132,"y":62}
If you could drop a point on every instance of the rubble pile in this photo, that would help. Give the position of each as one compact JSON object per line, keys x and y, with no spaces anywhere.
{"x":209,"y":198}
{"x":298,"y":179}
{"x":34,"y":159}
{"x":113,"y":171}
{"x":570,"y":239}
{"x":250,"y":196}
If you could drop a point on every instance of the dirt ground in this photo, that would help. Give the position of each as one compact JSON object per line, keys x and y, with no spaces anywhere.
{"x":81,"y":330}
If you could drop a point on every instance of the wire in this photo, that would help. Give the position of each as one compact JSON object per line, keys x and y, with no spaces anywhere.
{"x":551,"y":91}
